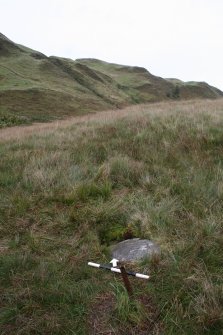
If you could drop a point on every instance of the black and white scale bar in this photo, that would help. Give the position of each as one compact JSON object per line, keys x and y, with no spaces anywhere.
{"x":107,"y":267}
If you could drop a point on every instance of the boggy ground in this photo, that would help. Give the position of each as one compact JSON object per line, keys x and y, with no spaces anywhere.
{"x":69,"y":190}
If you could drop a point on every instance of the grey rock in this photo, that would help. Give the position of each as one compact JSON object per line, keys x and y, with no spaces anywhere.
{"x":134,"y":250}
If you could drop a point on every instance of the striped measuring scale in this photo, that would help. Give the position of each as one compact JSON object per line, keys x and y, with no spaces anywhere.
{"x":118,"y":270}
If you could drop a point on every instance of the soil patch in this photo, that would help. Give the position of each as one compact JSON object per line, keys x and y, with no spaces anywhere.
{"x":101,"y":319}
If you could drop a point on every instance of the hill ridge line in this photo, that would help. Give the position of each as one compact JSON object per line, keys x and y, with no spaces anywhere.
{"x":85,"y":86}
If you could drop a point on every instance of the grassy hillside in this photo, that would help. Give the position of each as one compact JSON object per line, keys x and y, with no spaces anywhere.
{"x":34,"y":87}
{"x":67,"y":193}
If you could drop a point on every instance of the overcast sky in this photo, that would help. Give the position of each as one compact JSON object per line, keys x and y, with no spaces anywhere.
{"x":171,"y":38}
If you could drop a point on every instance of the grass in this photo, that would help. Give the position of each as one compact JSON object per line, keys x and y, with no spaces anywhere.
{"x":68,"y":192}
{"x":10,"y":119}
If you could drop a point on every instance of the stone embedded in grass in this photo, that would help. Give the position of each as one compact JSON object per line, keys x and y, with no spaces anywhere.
{"x":134,"y":249}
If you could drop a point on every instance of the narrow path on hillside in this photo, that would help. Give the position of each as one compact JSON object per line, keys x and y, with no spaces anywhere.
{"x":16,"y":73}
{"x":20,"y":132}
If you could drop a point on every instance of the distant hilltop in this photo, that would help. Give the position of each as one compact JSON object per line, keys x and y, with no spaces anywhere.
{"x":37,"y":88}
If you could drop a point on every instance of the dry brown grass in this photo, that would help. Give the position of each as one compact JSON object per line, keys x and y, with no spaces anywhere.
{"x":189,"y":107}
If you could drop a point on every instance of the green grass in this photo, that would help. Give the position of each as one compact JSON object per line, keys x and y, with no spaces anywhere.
{"x":37,"y":88}
{"x":9,"y":119}
{"x":67,"y":195}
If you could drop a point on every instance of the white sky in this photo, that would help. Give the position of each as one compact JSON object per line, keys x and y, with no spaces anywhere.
{"x":171,"y":38}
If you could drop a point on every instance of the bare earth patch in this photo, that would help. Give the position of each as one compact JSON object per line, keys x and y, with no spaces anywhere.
{"x":101,"y":319}
{"x":98,"y":319}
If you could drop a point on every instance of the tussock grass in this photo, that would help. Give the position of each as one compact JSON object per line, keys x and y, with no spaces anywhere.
{"x":67,"y":192}
{"x":127,"y":310}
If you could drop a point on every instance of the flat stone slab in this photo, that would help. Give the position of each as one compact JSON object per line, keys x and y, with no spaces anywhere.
{"x":134,"y":250}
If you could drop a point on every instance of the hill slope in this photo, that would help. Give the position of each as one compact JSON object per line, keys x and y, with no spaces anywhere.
{"x":34,"y":87}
